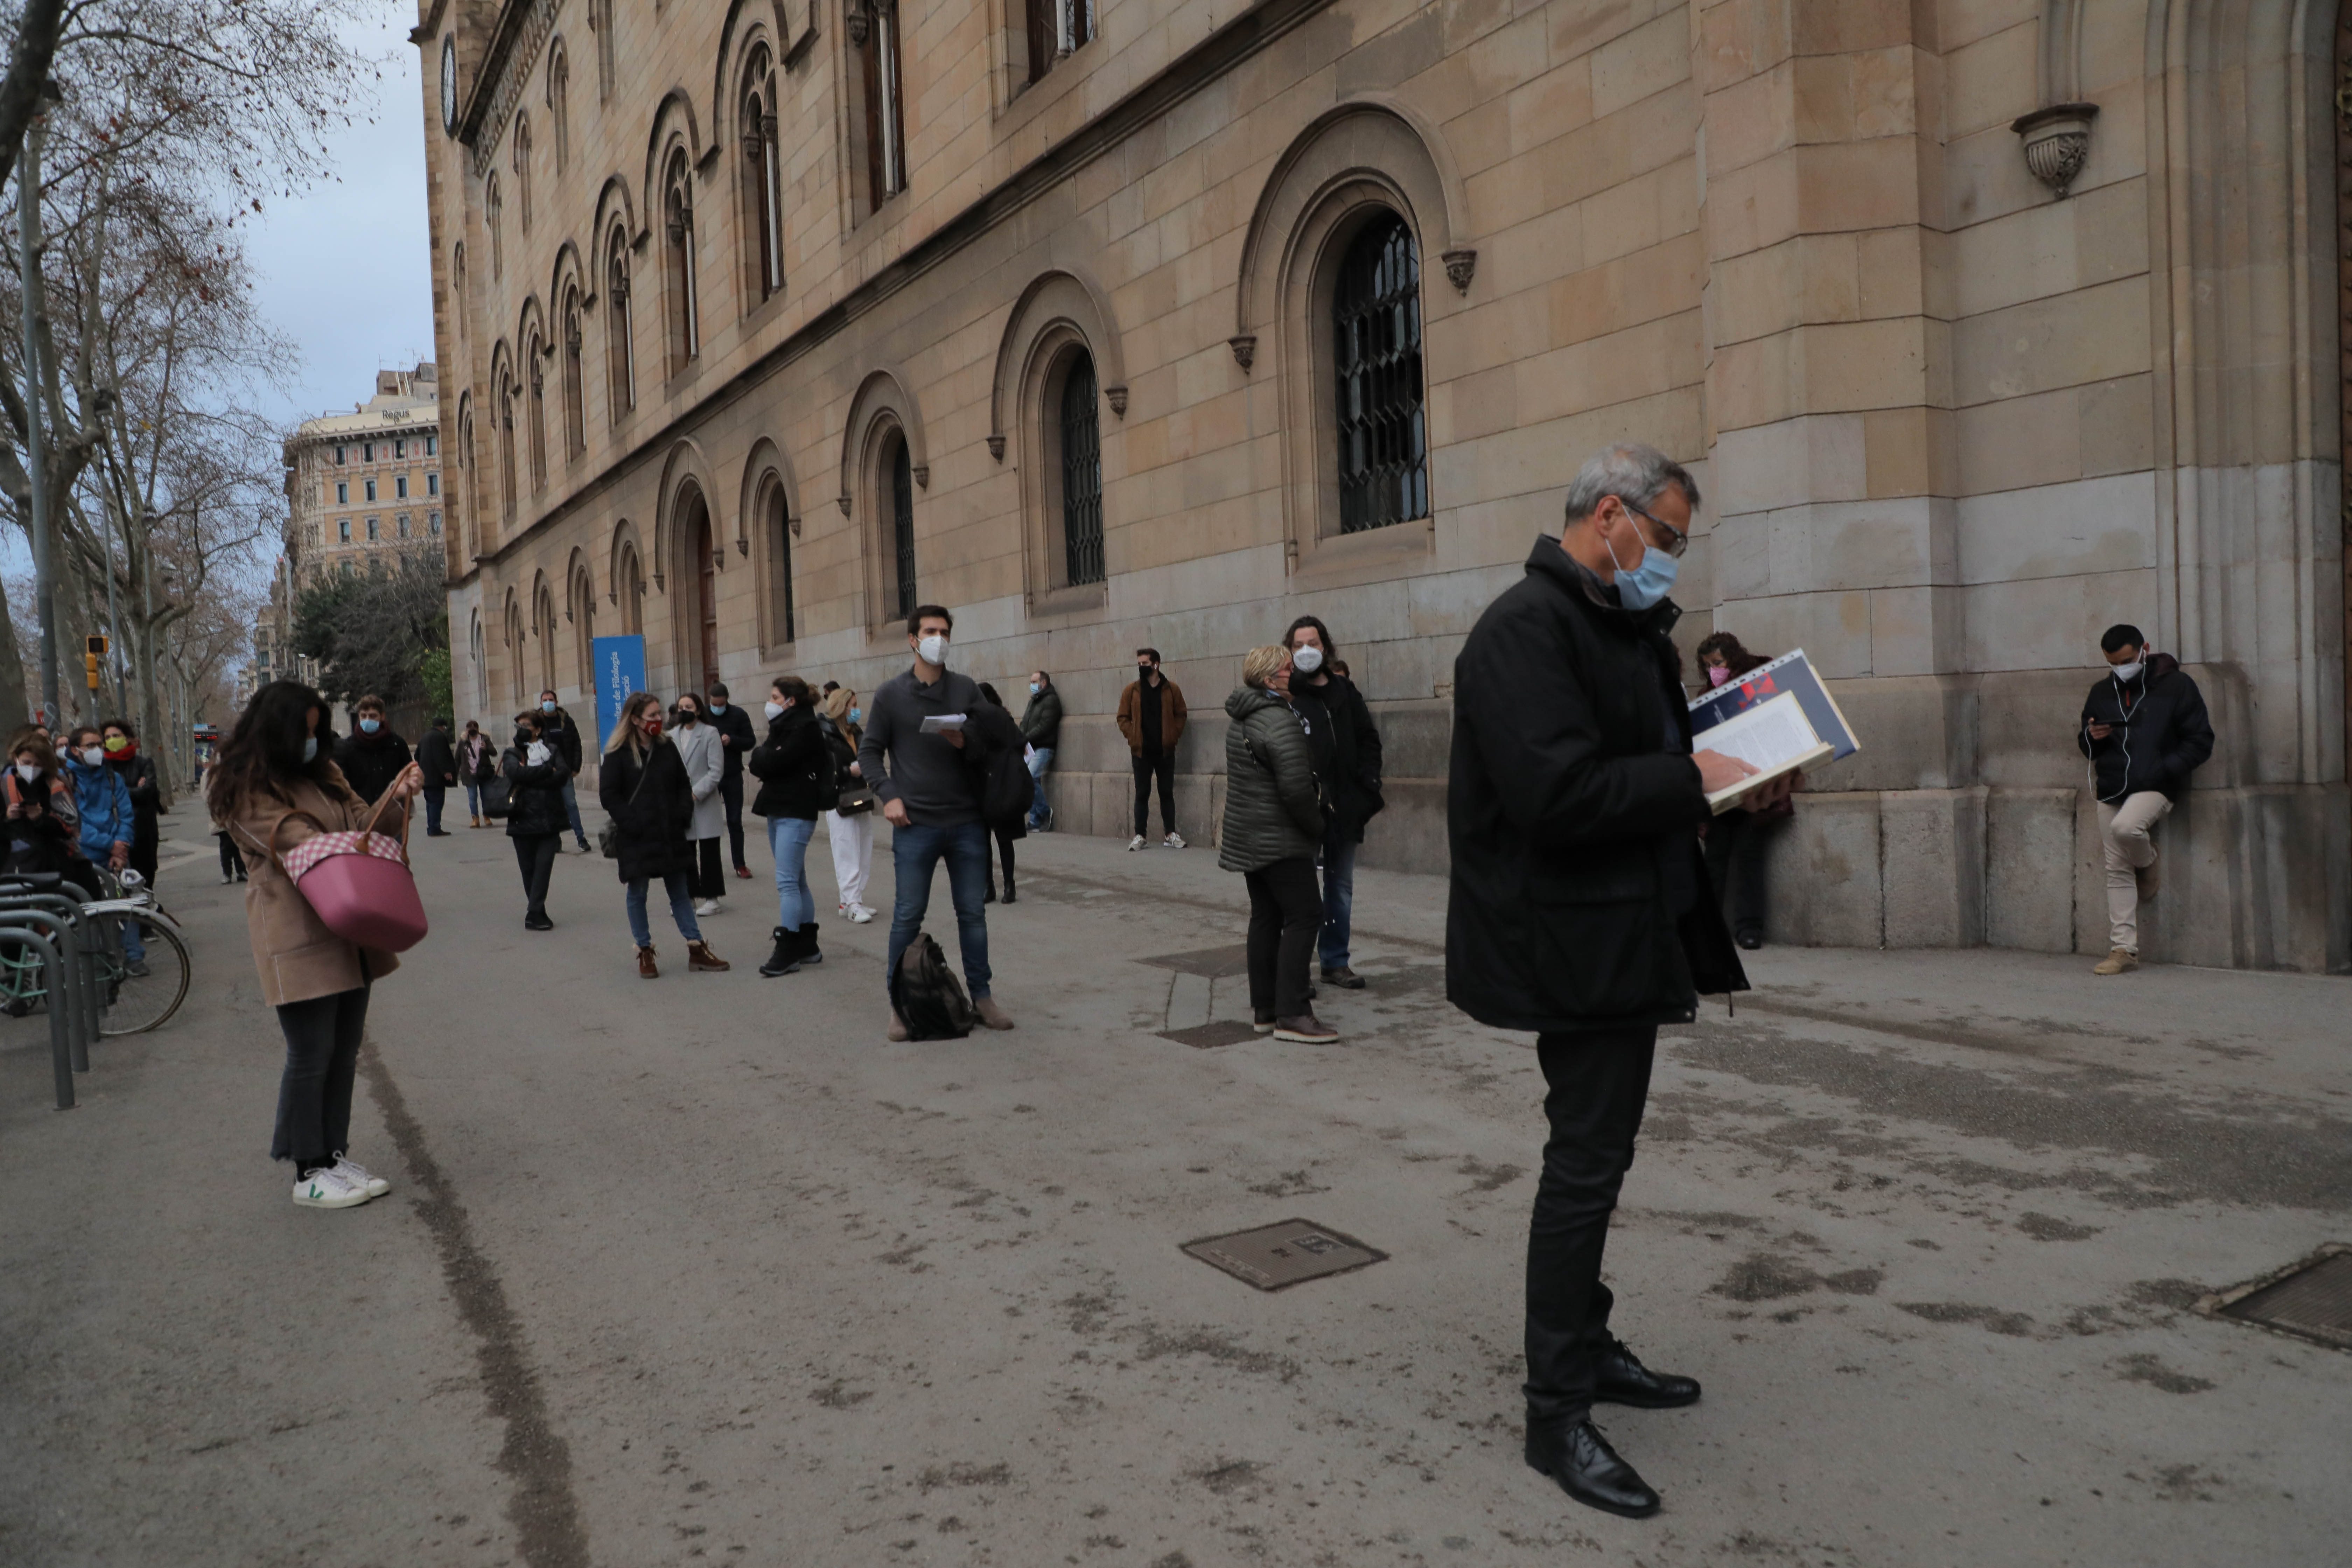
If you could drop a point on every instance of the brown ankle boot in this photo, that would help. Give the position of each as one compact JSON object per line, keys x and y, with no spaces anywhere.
{"x":645,"y":966}
{"x":699,"y":956}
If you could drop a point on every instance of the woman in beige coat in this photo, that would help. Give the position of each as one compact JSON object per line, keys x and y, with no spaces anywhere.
{"x":272,"y":765}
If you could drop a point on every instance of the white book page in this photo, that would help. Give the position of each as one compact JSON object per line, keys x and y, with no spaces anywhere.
{"x":1769,"y":735}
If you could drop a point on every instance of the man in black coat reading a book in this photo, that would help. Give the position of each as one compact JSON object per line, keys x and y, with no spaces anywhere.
{"x":1578,"y":908}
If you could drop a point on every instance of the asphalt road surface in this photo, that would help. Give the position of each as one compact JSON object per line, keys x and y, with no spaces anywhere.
{"x":703,"y":1271}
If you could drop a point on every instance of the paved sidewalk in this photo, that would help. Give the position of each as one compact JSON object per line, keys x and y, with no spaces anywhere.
{"x":703,"y":1271}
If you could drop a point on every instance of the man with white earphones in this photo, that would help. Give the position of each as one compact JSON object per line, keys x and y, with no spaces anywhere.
{"x":2145,"y":730}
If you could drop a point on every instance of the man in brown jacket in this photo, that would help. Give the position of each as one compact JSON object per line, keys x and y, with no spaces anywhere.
{"x":1151,"y":717}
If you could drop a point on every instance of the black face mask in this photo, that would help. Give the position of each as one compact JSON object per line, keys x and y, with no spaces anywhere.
{"x":523,"y":738}
{"x":1143,"y":671}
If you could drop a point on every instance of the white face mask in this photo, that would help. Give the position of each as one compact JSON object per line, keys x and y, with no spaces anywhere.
{"x":932,"y":649}
{"x":2129,"y":671}
{"x":93,"y":755}
{"x":28,"y":772}
{"x":775,"y":711}
{"x":1307,"y":660}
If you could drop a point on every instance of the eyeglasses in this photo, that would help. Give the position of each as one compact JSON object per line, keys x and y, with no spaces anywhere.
{"x":1676,"y":540}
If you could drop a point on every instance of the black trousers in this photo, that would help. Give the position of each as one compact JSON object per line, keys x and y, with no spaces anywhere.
{"x":709,"y":879}
{"x":1004,"y":853}
{"x":535,"y":859}
{"x":314,"y":1094}
{"x":1286,"y":911}
{"x":730,"y":790}
{"x":1735,"y":864}
{"x":1160,"y":765}
{"x":232,"y":858}
{"x":1598,"y":1083}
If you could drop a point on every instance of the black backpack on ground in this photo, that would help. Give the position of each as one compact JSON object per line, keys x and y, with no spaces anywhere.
{"x":929,"y":998}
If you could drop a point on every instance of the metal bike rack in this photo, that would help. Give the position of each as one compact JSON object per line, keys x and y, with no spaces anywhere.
{"x":63,"y":1040}
{"x":77,"y":990}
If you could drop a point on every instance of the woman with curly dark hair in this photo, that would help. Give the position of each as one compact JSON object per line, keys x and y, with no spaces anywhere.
{"x":274,"y":786}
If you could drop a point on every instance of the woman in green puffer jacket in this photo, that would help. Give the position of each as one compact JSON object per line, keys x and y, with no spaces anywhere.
{"x":1274,"y":823}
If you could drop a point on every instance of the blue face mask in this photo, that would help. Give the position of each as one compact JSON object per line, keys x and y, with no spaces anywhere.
{"x":1645,"y":585}
{"x":370,"y":726}
{"x":310,"y":749}
{"x":1033,"y":689}
{"x":857,"y":715}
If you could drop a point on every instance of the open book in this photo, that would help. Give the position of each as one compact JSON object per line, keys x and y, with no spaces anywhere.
{"x":1779,"y":719}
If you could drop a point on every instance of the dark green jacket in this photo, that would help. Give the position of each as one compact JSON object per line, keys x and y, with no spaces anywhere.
{"x":1041,"y":721}
{"x":1273,"y":809}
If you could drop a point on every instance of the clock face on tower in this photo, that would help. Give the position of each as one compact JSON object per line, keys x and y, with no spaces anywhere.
{"x":449,"y":84}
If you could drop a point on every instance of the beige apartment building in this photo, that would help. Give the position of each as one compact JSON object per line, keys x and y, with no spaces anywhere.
{"x":1985,"y":323}
{"x":368,"y":483}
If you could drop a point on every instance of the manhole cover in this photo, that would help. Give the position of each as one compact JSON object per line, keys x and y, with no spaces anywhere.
{"x":1216,"y":963}
{"x":1275,"y":1256}
{"x":1203,"y":1037}
{"x":2312,"y":1300}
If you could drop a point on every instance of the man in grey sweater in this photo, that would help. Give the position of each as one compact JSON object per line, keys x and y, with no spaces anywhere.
{"x":932,"y":804}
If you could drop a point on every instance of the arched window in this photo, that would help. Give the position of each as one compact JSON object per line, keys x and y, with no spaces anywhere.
{"x":600,"y":22}
{"x":522,"y":170}
{"x":535,"y":369}
{"x":899,"y":475}
{"x":677,"y":253}
{"x":1081,"y":444}
{"x":762,"y":177}
{"x":559,"y":103}
{"x":545,"y":613}
{"x":582,"y":611}
{"x":576,"y":417}
{"x":775,"y":518}
{"x":629,"y":586}
{"x":514,"y":653}
{"x":621,"y":351}
{"x":507,"y":459}
{"x":885,"y":119}
{"x":1382,"y":429}
{"x":493,"y":218}
{"x":481,"y":665}
{"x":458,"y":287}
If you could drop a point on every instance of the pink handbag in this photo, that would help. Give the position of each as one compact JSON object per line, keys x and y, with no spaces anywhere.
{"x":359,"y":883}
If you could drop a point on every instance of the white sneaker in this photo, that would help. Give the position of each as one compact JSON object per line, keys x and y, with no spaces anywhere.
{"x":1173,"y":841}
{"x":1136,"y":842}
{"x":327,"y":1188}
{"x":352,"y":1170}
{"x":860,"y":914}
{"x":707,"y":907}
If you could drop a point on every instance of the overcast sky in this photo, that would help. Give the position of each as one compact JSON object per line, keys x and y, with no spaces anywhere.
{"x":345,"y":269}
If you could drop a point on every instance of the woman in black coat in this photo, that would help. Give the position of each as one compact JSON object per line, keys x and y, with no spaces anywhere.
{"x":642,"y":786}
{"x":1000,"y":736}
{"x":536,"y":819}
{"x":794,"y":768}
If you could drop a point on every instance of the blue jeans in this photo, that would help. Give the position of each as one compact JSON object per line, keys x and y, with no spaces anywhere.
{"x":917,"y":851}
{"x":681,"y":909}
{"x":572,"y":810}
{"x":473,"y":800}
{"x":134,"y":950}
{"x":1338,"y":900}
{"x":788,"y":841}
{"x":1040,"y":761}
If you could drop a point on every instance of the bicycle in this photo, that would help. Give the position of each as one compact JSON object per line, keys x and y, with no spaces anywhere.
{"x":134,"y":1001}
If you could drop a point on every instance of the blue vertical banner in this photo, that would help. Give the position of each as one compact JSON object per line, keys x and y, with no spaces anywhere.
{"x":620,"y":670}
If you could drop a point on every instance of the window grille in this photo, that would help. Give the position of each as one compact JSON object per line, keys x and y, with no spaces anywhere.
{"x":1376,"y":343}
{"x":1082,"y":518}
{"x":902,"y":523}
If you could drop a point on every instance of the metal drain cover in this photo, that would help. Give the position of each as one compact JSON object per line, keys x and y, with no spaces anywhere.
{"x":1275,"y":1256}
{"x":1215,"y":963}
{"x":2312,"y":1300}
{"x":1204,"y":1036}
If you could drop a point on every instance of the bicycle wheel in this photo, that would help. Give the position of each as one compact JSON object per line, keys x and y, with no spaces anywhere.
{"x":137,"y":1003}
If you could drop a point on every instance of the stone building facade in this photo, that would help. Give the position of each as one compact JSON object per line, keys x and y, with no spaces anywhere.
{"x":1985,"y":323}
{"x":363,"y":485}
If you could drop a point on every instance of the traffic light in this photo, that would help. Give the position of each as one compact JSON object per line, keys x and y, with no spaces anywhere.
{"x":93,"y":650}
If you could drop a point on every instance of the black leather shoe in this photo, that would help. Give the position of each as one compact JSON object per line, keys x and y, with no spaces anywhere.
{"x":1587,"y":1469}
{"x":1620,"y":1378}
{"x":1749,"y":938}
{"x":1345,"y":978}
